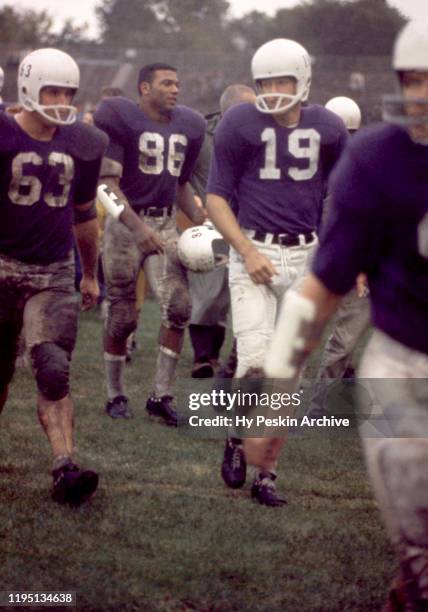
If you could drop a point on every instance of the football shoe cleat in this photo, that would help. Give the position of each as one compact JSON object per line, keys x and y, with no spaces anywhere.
{"x":202,"y":368}
{"x":118,"y":408}
{"x":71,"y":485}
{"x":163,"y":408}
{"x":264,"y":491}
{"x":234,"y":466}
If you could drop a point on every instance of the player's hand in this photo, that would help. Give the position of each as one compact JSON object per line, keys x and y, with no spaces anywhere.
{"x":259,"y":267}
{"x":199,"y":213}
{"x":147,"y":239}
{"x":89,"y":291}
{"x":362,"y":286}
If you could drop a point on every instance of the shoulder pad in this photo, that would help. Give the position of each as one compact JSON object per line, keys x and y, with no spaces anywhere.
{"x":190,"y":121}
{"x":321,"y":114}
{"x":116,"y":115}
{"x":244,"y":114}
{"x":377,"y":141}
{"x":87,"y":142}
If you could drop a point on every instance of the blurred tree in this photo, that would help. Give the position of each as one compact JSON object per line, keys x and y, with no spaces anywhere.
{"x":196,"y":24}
{"x":253,"y":29}
{"x":71,"y":34}
{"x":183,"y":24}
{"x":130,"y":23}
{"x":340,"y":27}
{"x":29,"y":27}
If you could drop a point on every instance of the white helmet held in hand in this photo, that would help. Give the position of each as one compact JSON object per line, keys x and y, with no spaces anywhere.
{"x":281,"y":57}
{"x":43,"y":68}
{"x":347,"y":109}
{"x":202,"y":248}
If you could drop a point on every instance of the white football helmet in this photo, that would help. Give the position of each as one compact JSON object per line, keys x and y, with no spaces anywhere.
{"x":410,"y":54}
{"x":281,"y":58}
{"x":202,"y":248}
{"x":47,"y":67}
{"x":347,"y":109}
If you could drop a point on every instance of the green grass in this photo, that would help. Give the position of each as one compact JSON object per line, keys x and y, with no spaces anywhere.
{"x":162,"y":532}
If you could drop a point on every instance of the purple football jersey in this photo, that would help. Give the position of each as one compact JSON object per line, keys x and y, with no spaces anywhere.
{"x":378,"y":224}
{"x":154,"y":156}
{"x":277,"y":174}
{"x":39,"y":182}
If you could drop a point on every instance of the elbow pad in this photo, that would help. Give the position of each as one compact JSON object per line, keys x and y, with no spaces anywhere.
{"x":110,"y":201}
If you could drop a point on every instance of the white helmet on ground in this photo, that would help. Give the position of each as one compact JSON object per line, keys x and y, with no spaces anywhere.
{"x":410,"y":54}
{"x":347,"y":109}
{"x":42,"y":68}
{"x":281,"y":58}
{"x":202,"y":248}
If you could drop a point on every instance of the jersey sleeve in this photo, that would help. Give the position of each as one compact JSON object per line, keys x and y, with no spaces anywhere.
{"x":89,"y":167}
{"x":108,"y":119}
{"x":352,"y":234}
{"x":225,"y":167}
{"x":335,"y":147}
{"x":195,"y":145}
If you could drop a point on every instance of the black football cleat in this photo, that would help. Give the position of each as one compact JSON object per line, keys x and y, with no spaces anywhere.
{"x":163,"y":408}
{"x":264,"y":491}
{"x":71,"y":485}
{"x":118,"y":408}
{"x":202,"y":368}
{"x":234,"y":466}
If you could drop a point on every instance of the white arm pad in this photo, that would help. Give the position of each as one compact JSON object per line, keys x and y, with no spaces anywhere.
{"x":109,"y":202}
{"x":288,"y":338}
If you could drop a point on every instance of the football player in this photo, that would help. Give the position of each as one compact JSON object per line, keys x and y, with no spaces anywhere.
{"x":153,"y":148}
{"x":353,"y":315}
{"x":379,"y":225}
{"x":210,"y":291}
{"x":275,"y":157}
{"x":50,"y":166}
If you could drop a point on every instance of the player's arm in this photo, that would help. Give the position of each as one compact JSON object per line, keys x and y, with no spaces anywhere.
{"x":302,"y":320}
{"x":86,"y":232}
{"x":259,"y":267}
{"x":116,"y":204}
{"x":187,"y":202}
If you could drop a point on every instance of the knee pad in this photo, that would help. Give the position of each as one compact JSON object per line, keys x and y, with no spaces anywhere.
{"x":121,"y":320}
{"x":178,"y":308}
{"x":51,"y":364}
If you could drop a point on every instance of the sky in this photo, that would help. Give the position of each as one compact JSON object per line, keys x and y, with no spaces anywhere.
{"x":83,"y":10}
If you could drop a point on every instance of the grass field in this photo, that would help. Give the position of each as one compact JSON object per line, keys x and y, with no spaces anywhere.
{"x":162,"y":532}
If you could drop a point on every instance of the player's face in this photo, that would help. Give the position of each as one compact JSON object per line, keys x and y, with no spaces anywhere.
{"x":415,"y":86}
{"x":57,"y":96}
{"x":278,"y":85}
{"x":164,"y":89}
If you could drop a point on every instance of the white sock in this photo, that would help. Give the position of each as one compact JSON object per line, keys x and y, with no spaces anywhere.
{"x":165,"y":372}
{"x":114,"y":365}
